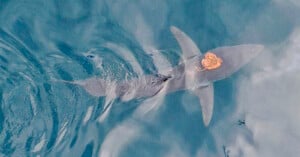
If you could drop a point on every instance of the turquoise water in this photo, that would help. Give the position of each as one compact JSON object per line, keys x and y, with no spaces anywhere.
{"x":42,"y":42}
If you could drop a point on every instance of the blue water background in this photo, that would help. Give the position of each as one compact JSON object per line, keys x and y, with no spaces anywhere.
{"x":45,"y":41}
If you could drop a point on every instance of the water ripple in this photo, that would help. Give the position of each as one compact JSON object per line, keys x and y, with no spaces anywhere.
{"x":45,"y":46}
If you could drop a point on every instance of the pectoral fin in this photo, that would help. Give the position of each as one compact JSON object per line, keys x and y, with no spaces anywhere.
{"x":187,"y":45}
{"x":206,"y":97}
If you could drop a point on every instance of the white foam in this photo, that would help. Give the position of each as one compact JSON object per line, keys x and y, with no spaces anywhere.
{"x":88,"y":114}
{"x":127,"y":55}
{"x":118,"y":138}
{"x":40,"y":145}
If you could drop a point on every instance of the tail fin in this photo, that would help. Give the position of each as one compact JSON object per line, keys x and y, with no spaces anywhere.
{"x":94,"y":86}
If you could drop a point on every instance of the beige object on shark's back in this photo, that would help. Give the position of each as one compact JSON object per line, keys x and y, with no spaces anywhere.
{"x":211,"y":61}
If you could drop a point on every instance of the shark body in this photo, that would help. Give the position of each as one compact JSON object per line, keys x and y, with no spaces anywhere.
{"x":188,"y":75}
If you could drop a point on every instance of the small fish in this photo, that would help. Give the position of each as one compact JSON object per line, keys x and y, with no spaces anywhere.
{"x":241,"y":122}
{"x":195,"y":72}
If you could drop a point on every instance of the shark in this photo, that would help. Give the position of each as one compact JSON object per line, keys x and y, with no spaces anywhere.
{"x":195,"y":72}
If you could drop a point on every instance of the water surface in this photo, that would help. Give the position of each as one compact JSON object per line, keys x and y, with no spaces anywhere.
{"x":41,"y":42}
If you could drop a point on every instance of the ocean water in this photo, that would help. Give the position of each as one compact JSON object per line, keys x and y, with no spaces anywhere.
{"x":256,"y":111}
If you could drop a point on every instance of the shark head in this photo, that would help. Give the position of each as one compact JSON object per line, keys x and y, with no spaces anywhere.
{"x":216,"y":64}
